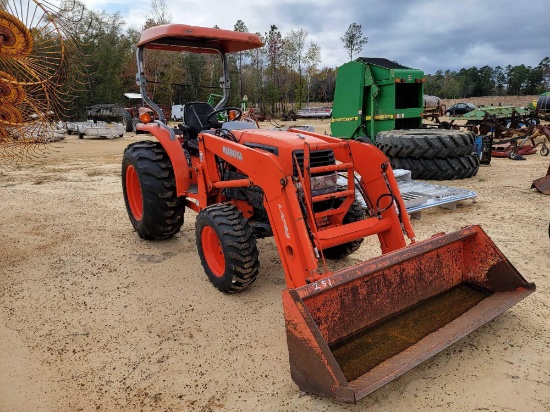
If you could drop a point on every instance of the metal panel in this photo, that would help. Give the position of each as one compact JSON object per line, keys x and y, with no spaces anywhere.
{"x":348,"y":101}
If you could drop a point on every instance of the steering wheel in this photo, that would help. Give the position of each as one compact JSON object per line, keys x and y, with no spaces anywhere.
{"x":213,"y":121}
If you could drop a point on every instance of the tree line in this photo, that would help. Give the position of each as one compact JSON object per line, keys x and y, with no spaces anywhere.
{"x":488,"y":81}
{"x":283,"y":75}
{"x":278,"y":77}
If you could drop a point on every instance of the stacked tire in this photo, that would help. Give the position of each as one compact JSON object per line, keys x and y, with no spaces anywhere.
{"x":431,"y":154}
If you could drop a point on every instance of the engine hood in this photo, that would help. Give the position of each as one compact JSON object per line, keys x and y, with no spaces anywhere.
{"x":288,"y":146}
{"x":283,"y":140}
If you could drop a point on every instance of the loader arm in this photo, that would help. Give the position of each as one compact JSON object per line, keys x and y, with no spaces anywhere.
{"x":377,"y":179}
{"x":298,"y":239}
{"x":266,"y":171}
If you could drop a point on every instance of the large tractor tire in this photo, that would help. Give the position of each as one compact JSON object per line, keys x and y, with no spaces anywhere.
{"x":149,"y":187}
{"x":227,"y":248}
{"x":354,"y":214}
{"x":425,"y":143}
{"x":127,"y":121}
{"x":134,"y":124}
{"x":439,"y":169}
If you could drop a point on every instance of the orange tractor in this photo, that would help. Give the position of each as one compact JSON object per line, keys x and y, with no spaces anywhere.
{"x":348,"y":331}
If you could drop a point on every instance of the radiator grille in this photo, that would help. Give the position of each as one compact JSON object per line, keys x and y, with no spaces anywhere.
{"x":316,"y":158}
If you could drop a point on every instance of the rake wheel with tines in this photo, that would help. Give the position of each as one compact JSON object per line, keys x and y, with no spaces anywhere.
{"x":35,"y":41}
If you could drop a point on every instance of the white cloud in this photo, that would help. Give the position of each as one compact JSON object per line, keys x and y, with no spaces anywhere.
{"x":425,"y":34}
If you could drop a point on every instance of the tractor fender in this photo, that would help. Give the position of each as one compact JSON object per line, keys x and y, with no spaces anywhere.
{"x":167,"y":138}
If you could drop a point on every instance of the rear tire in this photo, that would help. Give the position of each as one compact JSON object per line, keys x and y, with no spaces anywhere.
{"x":149,"y":188}
{"x":127,"y":121}
{"x":227,"y":248}
{"x":354,"y":214}
{"x":425,"y":143}
{"x":439,"y":169}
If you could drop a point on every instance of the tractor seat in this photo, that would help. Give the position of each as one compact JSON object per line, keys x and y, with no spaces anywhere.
{"x":194,"y":117}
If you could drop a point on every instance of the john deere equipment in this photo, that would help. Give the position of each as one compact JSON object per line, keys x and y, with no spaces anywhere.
{"x":381,"y":101}
{"x":349,"y":331}
{"x":374,"y":95}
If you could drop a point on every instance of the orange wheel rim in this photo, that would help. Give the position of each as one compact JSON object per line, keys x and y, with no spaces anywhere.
{"x":133,"y":193}
{"x":213,"y":252}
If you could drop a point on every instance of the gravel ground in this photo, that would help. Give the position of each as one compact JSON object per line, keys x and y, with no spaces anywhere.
{"x":94,"y":318}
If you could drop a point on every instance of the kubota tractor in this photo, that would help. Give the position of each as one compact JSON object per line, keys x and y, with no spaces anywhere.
{"x":350,"y":331}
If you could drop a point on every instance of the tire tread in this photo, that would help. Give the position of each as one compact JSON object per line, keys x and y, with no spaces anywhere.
{"x":439,"y":169}
{"x":239,"y":244}
{"x":163,"y":210}
{"x":425,"y":143}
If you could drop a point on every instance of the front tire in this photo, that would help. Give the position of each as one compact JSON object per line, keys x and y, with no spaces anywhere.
{"x":149,"y":188}
{"x":227,"y":248}
{"x":512,"y":154}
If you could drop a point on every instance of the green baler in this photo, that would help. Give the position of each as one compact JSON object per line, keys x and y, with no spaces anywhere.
{"x":376,"y":94}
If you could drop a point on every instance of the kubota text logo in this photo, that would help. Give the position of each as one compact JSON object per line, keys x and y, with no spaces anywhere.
{"x":287,"y":233}
{"x":233,"y":153}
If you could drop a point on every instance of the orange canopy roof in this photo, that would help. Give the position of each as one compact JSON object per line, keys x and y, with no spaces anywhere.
{"x":181,"y":37}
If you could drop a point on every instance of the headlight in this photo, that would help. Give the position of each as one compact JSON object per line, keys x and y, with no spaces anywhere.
{"x":324,"y":181}
{"x":321,"y":182}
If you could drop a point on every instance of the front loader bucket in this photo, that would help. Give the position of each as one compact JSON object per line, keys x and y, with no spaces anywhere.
{"x":353,"y":332}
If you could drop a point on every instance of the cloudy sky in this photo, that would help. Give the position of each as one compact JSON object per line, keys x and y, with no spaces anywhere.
{"x":429,"y":35}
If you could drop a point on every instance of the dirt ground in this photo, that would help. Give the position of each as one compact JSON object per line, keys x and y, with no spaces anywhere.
{"x":94,"y":318}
